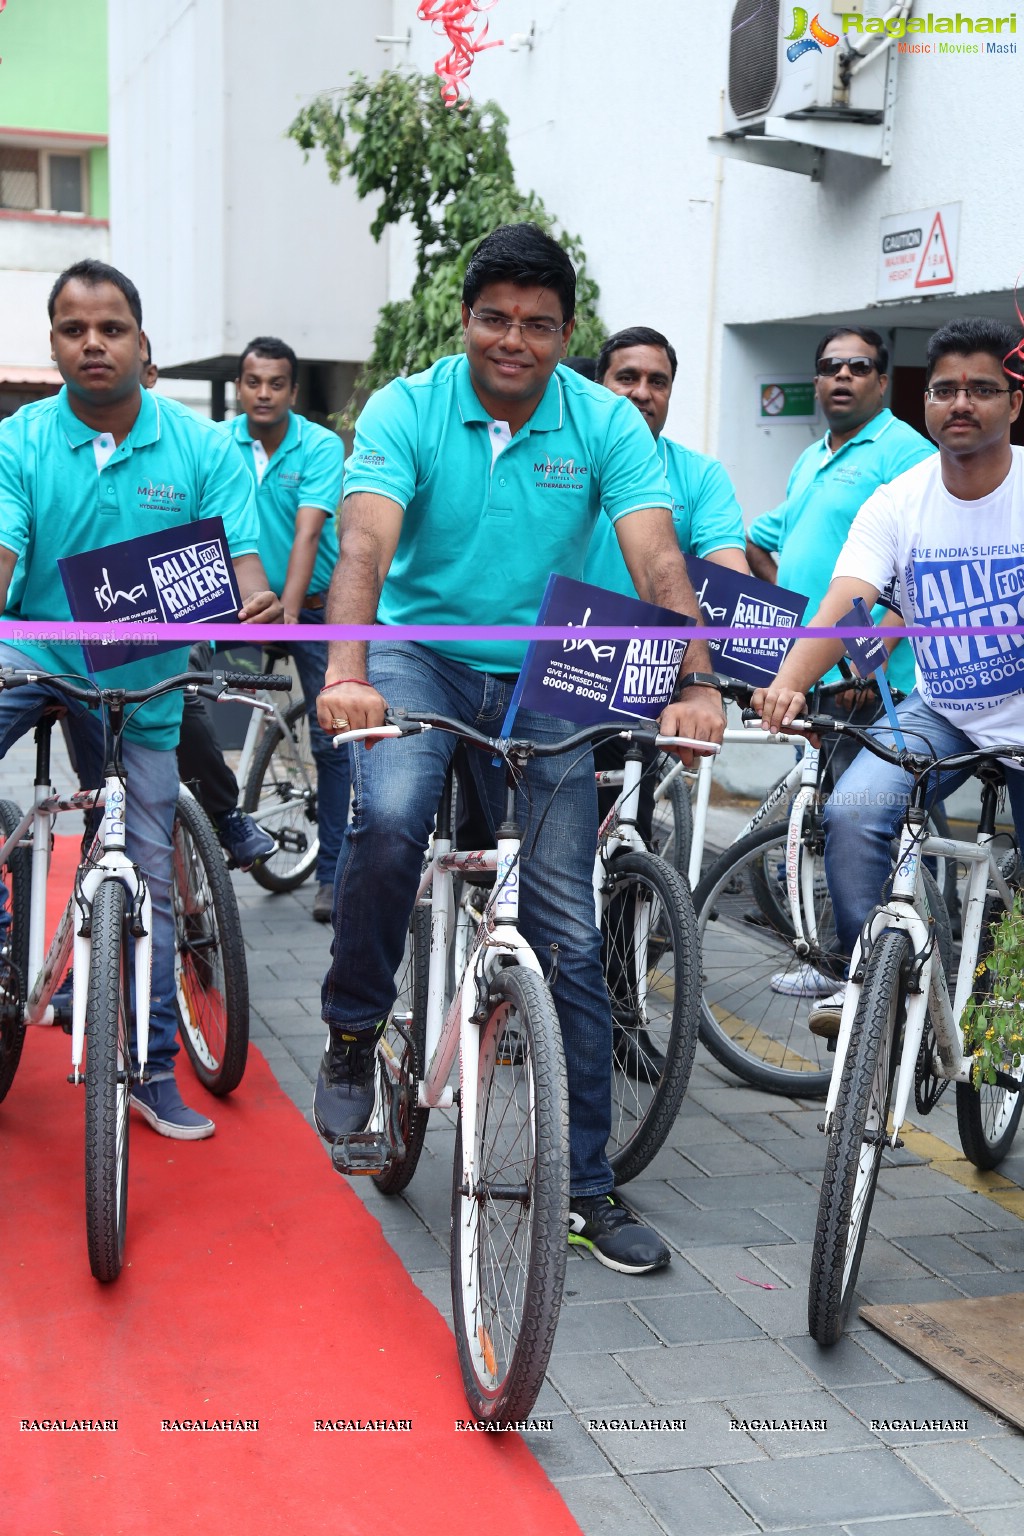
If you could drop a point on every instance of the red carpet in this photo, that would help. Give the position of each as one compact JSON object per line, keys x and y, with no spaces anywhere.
{"x":255,"y":1287}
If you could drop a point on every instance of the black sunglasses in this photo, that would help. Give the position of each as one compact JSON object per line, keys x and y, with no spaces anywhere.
{"x":860,"y":367}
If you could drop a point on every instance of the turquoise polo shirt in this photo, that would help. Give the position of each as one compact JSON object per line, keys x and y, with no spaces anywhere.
{"x":305,"y":470}
{"x":173,"y":467}
{"x":484,"y":527}
{"x":824,"y":494}
{"x":705,"y":515}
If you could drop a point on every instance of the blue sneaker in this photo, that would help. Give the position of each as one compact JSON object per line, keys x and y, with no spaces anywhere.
{"x":244,"y":840}
{"x":343,"y":1097}
{"x":160,"y":1105}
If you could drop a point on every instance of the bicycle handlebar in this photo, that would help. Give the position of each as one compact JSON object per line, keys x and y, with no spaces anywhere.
{"x":400,"y":723}
{"x":94,"y":695}
{"x":742,"y":693}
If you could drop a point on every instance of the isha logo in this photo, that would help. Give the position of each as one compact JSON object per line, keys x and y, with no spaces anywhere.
{"x":799,"y":43}
{"x":107,"y":595}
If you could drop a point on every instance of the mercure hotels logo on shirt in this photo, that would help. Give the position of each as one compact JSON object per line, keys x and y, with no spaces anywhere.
{"x":560,"y":474}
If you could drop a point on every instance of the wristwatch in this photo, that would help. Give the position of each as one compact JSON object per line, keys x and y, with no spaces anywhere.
{"x":698,"y":680}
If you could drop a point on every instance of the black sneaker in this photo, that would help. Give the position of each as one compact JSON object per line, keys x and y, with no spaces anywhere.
{"x":343,"y":1097}
{"x":615,"y":1236}
{"x":636,"y":1054}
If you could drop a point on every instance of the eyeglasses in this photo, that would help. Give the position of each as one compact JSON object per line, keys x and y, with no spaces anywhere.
{"x":945,"y":394}
{"x":496,"y":326}
{"x":860,"y":367}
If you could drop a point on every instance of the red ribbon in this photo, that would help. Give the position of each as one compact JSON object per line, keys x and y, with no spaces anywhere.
{"x":454,"y":18}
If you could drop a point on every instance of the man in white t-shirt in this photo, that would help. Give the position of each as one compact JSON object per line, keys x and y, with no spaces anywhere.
{"x":952,"y":531}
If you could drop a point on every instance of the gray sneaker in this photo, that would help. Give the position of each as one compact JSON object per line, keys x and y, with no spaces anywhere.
{"x":343,"y":1097}
{"x":323,"y":903}
{"x":160,"y":1104}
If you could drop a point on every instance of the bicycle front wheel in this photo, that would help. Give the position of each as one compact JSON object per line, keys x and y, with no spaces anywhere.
{"x":509,"y":1229}
{"x":108,"y":1082}
{"x":409,"y":1046}
{"x":280,"y":792}
{"x":210,"y":975}
{"x":757,"y":990}
{"x":16,"y":875}
{"x":673,"y":817}
{"x":650,"y":954}
{"x":858,"y":1139}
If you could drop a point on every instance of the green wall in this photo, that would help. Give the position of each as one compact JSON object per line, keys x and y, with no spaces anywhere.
{"x":53,"y":77}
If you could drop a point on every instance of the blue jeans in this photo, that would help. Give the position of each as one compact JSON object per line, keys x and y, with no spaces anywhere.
{"x":153,"y":791}
{"x":397,"y":788}
{"x":864,"y":813}
{"x":333,"y":778}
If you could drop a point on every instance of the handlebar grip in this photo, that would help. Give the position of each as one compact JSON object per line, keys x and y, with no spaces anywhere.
{"x":269,"y":682}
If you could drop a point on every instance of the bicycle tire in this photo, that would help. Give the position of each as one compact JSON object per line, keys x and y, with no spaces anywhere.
{"x":987,"y":1117}
{"x":17,"y":873}
{"x":411,"y":1000}
{"x":759,"y":1032}
{"x":509,"y":1240}
{"x":651,"y":959}
{"x":280,"y":792}
{"x":673,"y":819}
{"x":852,"y":1160}
{"x":211,"y":981}
{"x":108,"y":1082}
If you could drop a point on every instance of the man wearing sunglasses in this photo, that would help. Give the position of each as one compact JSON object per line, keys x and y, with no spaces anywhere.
{"x":952,"y":531}
{"x":865,"y":447}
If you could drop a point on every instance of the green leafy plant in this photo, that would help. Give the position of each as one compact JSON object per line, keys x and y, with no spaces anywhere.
{"x":450,"y":174}
{"x":993,"y":1021}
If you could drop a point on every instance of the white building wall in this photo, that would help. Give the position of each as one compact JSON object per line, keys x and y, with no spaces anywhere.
{"x":213,"y":212}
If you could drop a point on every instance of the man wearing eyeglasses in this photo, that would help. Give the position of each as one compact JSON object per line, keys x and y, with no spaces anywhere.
{"x":951,"y":530}
{"x":865,"y":446}
{"x":468,"y":484}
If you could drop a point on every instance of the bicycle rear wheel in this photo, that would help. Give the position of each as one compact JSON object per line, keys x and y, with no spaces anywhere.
{"x":757,"y":991}
{"x":509,"y":1229}
{"x":210,"y":975}
{"x":280,"y":792}
{"x":673,"y":818}
{"x":650,"y":955}
{"x":858,"y":1139}
{"x":108,"y":1082}
{"x":16,"y":874}
{"x":410,"y":1009}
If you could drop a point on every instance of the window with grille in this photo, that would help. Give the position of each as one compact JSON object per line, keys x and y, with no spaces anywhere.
{"x":43,"y":180}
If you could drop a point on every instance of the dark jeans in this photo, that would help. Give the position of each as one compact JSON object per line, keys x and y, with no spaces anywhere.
{"x":397,"y":788}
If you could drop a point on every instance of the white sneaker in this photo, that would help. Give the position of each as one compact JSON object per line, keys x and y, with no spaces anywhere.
{"x":805,"y":981}
{"x":824,"y":1019}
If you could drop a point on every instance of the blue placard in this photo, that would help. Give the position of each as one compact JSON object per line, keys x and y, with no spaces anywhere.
{"x":729,"y":600}
{"x":180,"y":575}
{"x":589,"y":680}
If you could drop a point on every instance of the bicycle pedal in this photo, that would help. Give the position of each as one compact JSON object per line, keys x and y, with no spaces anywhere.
{"x":361,"y":1152}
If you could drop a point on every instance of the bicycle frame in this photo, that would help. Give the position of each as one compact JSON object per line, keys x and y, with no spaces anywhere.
{"x":702,"y":800}
{"x":70,"y":941}
{"x":903,"y":912}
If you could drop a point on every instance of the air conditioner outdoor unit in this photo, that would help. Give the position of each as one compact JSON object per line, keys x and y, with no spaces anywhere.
{"x":795,"y":61}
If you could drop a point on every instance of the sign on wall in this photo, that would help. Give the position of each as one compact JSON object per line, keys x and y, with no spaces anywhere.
{"x":918,"y":252}
{"x":788,"y":398}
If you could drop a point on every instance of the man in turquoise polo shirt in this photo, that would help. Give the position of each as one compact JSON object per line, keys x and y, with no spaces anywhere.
{"x":468,"y":485}
{"x":101,"y":462}
{"x":641,"y":364}
{"x":865,"y":447}
{"x":297,"y":469}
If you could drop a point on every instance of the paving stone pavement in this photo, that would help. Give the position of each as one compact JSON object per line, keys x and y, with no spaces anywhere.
{"x":720,"y":1336}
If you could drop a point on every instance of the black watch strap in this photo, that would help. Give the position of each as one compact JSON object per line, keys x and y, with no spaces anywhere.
{"x":698,"y":680}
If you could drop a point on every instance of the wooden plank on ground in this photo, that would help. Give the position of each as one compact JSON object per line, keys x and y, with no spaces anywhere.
{"x":978,"y":1344}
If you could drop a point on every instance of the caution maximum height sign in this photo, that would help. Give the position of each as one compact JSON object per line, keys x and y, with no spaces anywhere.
{"x":918,"y":252}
